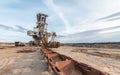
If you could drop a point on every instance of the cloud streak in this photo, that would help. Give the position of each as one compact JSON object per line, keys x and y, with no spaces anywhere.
{"x":18,"y":28}
{"x":99,"y":35}
{"x":114,"y":16}
{"x":113,"y":19}
{"x":21,"y":29}
{"x":51,"y":5}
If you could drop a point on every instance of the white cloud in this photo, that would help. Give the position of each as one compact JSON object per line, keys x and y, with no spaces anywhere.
{"x":94,"y":9}
{"x":51,"y":5}
{"x":110,"y":31}
{"x":76,"y":15}
{"x":12,"y":36}
{"x":81,"y":15}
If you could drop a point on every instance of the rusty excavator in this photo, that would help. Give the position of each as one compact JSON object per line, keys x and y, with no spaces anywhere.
{"x":40,"y":34}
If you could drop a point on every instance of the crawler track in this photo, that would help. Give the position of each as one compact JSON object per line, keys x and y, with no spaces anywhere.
{"x":64,"y":65}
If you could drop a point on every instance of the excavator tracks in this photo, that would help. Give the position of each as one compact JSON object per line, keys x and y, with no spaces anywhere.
{"x":64,"y":65}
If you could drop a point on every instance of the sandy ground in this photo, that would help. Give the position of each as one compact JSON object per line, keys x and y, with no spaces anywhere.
{"x":33,"y":63}
{"x":12,"y":63}
{"x":107,"y":60}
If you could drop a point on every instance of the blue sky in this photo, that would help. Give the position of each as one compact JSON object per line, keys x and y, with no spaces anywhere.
{"x":73,"y":20}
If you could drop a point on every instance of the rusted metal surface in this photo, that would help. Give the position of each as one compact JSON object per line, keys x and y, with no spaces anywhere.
{"x":64,"y":65}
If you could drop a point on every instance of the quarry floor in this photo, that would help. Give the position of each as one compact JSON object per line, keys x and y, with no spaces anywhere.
{"x":107,"y":60}
{"x":13,"y":63}
{"x":33,"y":63}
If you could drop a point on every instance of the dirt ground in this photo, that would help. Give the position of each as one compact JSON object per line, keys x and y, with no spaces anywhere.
{"x":107,"y":60}
{"x":13,"y":63}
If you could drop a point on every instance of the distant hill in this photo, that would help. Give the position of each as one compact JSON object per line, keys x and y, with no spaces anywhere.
{"x":113,"y":45}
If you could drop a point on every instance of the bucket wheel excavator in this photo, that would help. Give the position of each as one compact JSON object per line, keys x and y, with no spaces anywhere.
{"x":40,"y":34}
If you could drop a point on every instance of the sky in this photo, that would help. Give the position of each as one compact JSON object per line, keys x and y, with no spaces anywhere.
{"x":74,"y":21}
